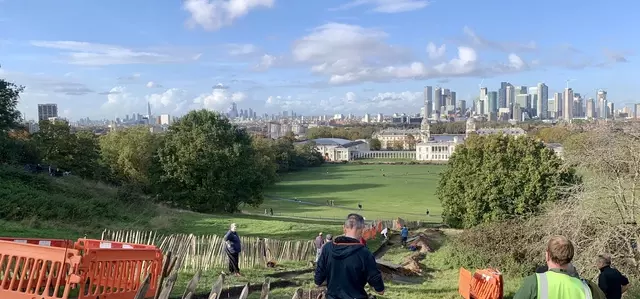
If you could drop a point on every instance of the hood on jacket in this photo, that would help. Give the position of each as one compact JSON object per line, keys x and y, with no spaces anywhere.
{"x":344,"y":247}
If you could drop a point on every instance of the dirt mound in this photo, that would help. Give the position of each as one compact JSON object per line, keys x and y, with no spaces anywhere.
{"x":412,"y":263}
{"x":427,"y":241}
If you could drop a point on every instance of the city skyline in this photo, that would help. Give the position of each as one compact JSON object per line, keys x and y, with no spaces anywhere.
{"x":316,"y":58}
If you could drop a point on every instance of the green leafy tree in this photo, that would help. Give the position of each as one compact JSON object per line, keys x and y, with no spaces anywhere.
{"x":375,"y":144}
{"x":130,"y":155}
{"x":498,"y":177}
{"x":78,"y":153}
{"x":411,"y":141}
{"x":208,"y":164}
{"x":553,"y":134}
{"x":9,"y":96}
{"x":398,"y":145}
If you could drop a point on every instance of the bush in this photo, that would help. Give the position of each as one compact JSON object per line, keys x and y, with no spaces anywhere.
{"x":65,"y":200}
{"x":499,"y":177}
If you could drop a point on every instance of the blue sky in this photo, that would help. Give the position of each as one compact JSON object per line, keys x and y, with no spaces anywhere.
{"x":109,"y":58}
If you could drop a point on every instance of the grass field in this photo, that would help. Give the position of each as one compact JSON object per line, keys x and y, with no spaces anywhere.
{"x":385,"y":192}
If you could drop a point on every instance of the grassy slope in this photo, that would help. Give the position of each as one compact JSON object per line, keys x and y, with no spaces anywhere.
{"x":405,"y":191}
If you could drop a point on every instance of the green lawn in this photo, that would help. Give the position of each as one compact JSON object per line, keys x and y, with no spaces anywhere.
{"x":385,"y":191}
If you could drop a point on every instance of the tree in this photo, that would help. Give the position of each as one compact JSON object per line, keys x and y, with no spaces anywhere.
{"x":553,"y":134}
{"x":208,"y":164}
{"x":78,"y":153}
{"x":9,"y":96}
{"x":398,"y":145}
{"x":375,"y":144}
{"x":410,"y":140}
{"x":499,"y":177}
{"x":130,"y":155}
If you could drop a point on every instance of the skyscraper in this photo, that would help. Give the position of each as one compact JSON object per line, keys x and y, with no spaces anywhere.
{"x":510,"y":96}
{"x":611,"y":111}
{"x":502,"y":95}
{"x":428,"y":101}
{"x":542,"y":107}
{"x":483,"y":99}
{"x":559,"y":104}
{"x":591,"y":109}
{"x":437,"y":102}
{"x":601,"y":98}
{"x":45,"y":111}
{"x":567,"y":109}
{"x":492,"y":102}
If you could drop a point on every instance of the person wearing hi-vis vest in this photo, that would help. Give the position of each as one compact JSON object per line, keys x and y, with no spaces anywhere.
{"x":558,"y":282}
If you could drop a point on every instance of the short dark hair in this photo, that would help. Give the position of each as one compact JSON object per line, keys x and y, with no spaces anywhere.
{"x":354,"y":221}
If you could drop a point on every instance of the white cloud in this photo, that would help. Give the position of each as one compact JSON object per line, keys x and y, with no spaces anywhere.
{"x":91,"y":54}
{"x":435,"y":52}
{"x":173,"y":101}
{"x":481,"y":42}
{"x":349,"y":54}
{"x":120,"y":101}
{"x":387,"y":6}
{"x":215,"y":14}
{"x":219,"y":99}
{"x":152,"y":84}
{"x":241,"y":49}
{"x":266,"y":62}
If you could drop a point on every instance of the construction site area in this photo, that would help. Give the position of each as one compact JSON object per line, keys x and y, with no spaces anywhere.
{"x":137,"y":265}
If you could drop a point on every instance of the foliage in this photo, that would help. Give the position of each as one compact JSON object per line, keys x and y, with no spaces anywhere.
{"x":209,"y":165}
{"x":9,"y":114}
{"x":350,"y":133}
{"x":553,"y":134}
{"x":375,"y":144}
{"x":410,"y":140}
{"x":68,"y":200}
{"x":130,"y":155}
{"x":78,"y":153}
{"x":498,"y":177}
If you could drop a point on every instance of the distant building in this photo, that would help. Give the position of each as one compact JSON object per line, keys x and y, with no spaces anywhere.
{"x":46,"y":111}
{"x":165,"y":119}
{"x":338,"y":149}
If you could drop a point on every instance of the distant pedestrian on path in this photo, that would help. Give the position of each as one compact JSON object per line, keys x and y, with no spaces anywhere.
{"x":384,"y":233}
{"x":233,"y":249}
{"x":318,"y":242}
{"x":360,"y":206}
{"x":404,"y":233}
{"x":271,"y":210}
{"x":427,"y":212}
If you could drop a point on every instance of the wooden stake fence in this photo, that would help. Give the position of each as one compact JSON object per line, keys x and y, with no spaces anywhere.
{"x":203,"y":253}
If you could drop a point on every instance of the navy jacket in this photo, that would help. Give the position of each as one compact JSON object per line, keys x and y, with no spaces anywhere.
{"x":233,"y":238}
{"x":347,"y":266}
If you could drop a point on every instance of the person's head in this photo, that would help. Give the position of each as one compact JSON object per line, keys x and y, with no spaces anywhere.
{"x":320,"y":234}
{"x":233,"y":227}
{"x":603,"y":260}
{"x":329,"y":238}
{"x":353,"y":226}
{"x":559,"y":252}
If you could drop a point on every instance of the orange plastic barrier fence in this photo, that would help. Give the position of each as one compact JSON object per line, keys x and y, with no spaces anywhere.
{"x":32,"y":271}
{"x":51,"y":269}
{"x":41,"y":242}
{"x":483,"y":284}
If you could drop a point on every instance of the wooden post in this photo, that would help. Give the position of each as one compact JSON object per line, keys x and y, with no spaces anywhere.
{"x":165,"y":272}
{"x":216,"y":289}
{"x":266,"y":286}
{"x":168,"y":286}
{"x":142,"y":291}
{"x":245,"y":292}
{"x":191,"y":287}
{"x":298,"y":295}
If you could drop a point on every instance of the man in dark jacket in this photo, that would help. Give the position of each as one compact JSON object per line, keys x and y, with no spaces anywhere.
{"x":347,"y":266}
{"x":611,"y":281}
{"x":232,"y":249}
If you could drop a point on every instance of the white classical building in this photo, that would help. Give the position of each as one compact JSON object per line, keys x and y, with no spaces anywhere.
{"x":338,"y":149}
{"x":389,"y":137}
{"x":437,"y":148}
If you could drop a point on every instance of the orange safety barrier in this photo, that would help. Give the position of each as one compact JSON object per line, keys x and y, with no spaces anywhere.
{"x":41,"y":242}
{"x":31,"y":268}
{"x":483,"y":284}
{"x":32,"y":271}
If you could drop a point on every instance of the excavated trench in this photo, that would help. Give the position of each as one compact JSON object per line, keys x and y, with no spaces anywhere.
{"x":411,"y":271}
